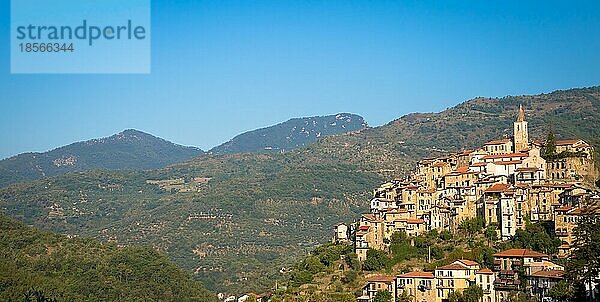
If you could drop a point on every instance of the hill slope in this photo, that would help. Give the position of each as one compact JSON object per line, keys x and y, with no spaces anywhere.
{"x":130,"y":149}
{"x":292,"y":134}
{"x":86,"y":270}
{"x":258,"y":211}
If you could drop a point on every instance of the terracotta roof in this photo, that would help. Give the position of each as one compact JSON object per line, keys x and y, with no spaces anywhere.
{"x":468,"y":262}
{"x":553,"y":274}
{"x":510,"y":162}
{"x":364,"y":227}
{"x":454,"y":266}
{"x":439,"y":164}
{"x":428,"y":275}
{"x":566,"y":142}
{"x":498,"y":188}
{"x":505,"y":155}
{"x":479,"y":164}
{"x":485,"y":271}
{"x":381,"y":278}
{"x":418,"y":221}
{"x":581,"y":211}
{"x":497,"y":142}
{"x":462,"y":169}
{"x":563,"y":209}
{"x":520,"y":253}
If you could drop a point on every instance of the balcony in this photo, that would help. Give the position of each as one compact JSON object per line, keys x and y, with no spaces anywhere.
{"x":507,"y":284}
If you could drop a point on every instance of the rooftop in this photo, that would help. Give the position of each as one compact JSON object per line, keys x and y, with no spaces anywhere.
{"x":428,"y":275}
{"x":553,"y":274}
{"x":520,"y":253}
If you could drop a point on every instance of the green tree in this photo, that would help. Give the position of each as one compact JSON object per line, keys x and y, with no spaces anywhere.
{"x":583,"y":265}
{"x":350,"y":276}
{"x":472,"y":293}
{"x":491,"y":235}
{"x":445,"y":235}
{"x":560,"y":292}
{"x":536,"y":237}
{"x":382,"y":296}
{"x":471,"y":226}
{"x":550,"y":149}
{"x":376,"y":260}
{"x":314,"y":265}
{"x":300,"y":277}
{"x":455,"y":296}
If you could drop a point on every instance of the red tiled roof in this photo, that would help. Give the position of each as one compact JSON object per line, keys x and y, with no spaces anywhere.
{"x":462,"y":169}
{"x":498,"y":188}
{"x":454,"y":266}
{"x":497,"y":142}
{"x":563,"y":209}
{"x":566,"y":142}
{"x":418,"y":221}
{"x":468,"y":262}
{"x":485,"y":271}
{"x":428,"y":275}
{"x":581,"y":211}
{"x":364,"y":227}
{"x":520,"y":253}
{"x":511,"y":162}
{"x":553,"y":274}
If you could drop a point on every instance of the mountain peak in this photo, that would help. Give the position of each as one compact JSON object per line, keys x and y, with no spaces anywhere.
{"x":127,"y":150}
{"x":292,"y":134}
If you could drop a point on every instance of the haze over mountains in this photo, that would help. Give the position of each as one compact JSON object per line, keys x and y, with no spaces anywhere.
{"x":236,"y":219}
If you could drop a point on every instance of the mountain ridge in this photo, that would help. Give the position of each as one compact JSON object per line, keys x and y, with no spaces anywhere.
{"x":128,"y":149}
{"x":291,"y":134}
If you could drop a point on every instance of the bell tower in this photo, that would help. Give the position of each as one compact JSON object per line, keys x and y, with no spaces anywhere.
{"x":521,"y":135}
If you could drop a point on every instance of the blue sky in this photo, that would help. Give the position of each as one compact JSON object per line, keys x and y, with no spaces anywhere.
{"x":223,"y":67}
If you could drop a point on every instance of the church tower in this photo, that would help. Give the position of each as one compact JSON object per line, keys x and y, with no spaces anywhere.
{"x":521,"y":140}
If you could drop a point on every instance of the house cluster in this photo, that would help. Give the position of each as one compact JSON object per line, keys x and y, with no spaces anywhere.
{"x":540,"y":274}
{"x":505,"y":182}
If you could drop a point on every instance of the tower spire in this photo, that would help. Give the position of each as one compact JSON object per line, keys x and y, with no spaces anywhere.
{"x":521,"y":117}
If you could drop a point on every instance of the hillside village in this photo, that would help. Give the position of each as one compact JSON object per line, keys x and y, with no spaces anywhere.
{"x":507,"y":183}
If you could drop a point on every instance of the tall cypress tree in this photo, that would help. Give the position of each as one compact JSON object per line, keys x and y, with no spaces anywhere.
{"x":550,"y":150}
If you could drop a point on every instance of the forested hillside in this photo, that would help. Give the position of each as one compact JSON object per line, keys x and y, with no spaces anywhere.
{"x":33,"y":263}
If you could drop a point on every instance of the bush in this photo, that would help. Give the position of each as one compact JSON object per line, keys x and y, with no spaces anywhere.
{"x":350,"y":276}
{"x":445,"y":235}
{"x":300,"y":277}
